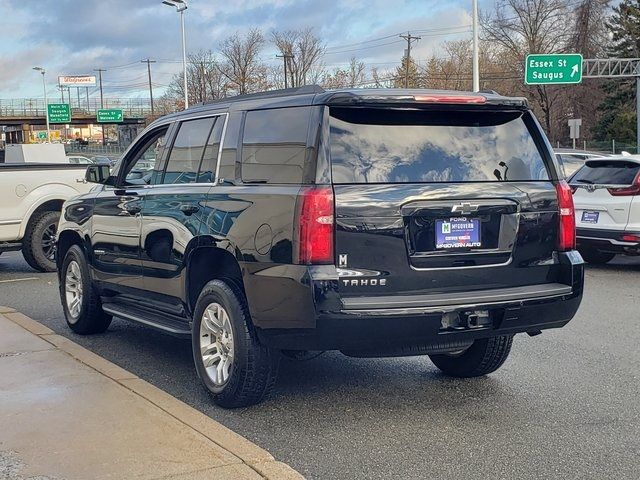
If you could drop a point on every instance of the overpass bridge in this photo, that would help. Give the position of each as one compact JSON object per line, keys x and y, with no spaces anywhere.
{"x":20,"y":118}
{"x":20,"y":111}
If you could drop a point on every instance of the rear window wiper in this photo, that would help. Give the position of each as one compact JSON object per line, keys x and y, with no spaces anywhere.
{"x":582,"y":180}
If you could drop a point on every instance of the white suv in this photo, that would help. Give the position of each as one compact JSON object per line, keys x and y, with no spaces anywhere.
{"x":607,"y":205}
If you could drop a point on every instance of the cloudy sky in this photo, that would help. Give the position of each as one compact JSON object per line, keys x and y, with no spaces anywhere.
{"x":70,"y":37}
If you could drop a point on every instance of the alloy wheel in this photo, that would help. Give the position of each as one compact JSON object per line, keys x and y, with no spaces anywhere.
{"x":216,"y":343}
{"x":73,"y":290}
{"x":49,"y":241}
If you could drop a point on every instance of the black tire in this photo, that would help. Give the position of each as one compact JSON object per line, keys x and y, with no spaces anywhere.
{"x":254,"y":370}
{"x":34,"y":248}
{"x":91,"y":318}
{"x":596,"y":257}
{"x":483,"y":357}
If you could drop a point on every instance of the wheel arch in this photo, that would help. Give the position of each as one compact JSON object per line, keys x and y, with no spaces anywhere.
{"x":206,"y":263}
{"x":66,"y":239}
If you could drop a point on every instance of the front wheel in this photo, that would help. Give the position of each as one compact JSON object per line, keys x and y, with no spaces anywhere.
{"x":231,"y":362}
{"x":481,"y":358}
{"x":39,"y":242}
{"x":80,"y":302}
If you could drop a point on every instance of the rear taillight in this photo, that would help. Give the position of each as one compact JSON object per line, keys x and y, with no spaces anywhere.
{"x":632,"y":190}
{"x":567,"y":223}
{"x":315,"y":226}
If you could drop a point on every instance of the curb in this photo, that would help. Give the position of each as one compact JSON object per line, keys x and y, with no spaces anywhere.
{"x":248,"y":452}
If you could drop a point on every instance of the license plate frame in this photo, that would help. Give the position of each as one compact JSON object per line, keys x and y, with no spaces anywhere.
{"x":590,"y":217}
{"x":458,"y":233}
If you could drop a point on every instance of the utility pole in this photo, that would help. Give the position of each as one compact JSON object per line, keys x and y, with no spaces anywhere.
{"x":410,"y":39}
{"x":100,"y":70}
{"x":476,"y":63}
{"x":149,"y":62}
{"x":285,"y":57}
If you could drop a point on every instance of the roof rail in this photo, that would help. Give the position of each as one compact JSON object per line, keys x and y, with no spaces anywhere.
{"x":284,"y":92}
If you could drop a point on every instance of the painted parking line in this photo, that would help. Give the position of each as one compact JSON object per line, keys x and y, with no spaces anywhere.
{"x":19,"y":279}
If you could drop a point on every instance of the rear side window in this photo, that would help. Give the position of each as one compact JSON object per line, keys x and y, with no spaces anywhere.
{"x":274,"y":145}
{"x":413,"y":146}
{"x":607,"y":172}
{"x":187,"y":151}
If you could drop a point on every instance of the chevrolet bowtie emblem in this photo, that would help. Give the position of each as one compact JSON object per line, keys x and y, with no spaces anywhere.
{"x":464,"y":208}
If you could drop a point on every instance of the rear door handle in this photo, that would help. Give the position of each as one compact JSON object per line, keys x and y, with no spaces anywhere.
{"x":189,"y":209}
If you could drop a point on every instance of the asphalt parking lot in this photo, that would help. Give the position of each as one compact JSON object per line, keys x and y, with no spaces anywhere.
{"x":565,"y":405}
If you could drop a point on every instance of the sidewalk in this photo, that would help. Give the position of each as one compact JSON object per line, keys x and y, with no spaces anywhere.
{"x":66,"y":413}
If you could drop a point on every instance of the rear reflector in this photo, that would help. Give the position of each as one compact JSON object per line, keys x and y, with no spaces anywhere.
{"x":631,"y":238}
{"x":567,"y":219}
{"x":315,"y":226}
{"x":450,"y":98}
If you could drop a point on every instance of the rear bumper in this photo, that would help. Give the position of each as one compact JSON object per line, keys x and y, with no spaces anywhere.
{"x":333,"y":323}
{"x":607,"y":240}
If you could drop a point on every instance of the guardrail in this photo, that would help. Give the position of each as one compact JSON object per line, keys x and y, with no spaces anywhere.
{"x":35,"y":107}
{"x":107,"y":150}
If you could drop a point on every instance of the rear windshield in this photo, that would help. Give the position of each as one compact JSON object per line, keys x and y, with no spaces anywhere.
{"x":602,"y":172}
{"x":412,"y":146}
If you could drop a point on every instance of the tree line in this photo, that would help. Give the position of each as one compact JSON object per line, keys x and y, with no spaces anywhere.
{"x":514,"y":29}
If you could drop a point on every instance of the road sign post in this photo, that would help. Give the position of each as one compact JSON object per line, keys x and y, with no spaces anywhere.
{"x":549,"y":69}
{"x":574,"y":129}
{"x":110,"y":115}
{"x":59,"y":113}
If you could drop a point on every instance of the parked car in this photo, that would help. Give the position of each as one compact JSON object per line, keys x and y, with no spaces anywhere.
{"x":32,"y":198}
{"x":103,"y":160}
{"x":607,"y":204}
{"x":79,"y":160}
{"x":375,"y":222}
{"x":572,"y":160}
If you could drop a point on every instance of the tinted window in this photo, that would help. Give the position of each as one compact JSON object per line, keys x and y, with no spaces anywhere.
{"x":187,"y":151}
{"x":209,"y":162}
{"x":394,"y":146}
{"x":140,"y":169}
{"x":603,"y":172}
{"x":274,"y":145}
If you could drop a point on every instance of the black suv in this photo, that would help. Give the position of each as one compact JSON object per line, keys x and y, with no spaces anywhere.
{"x":375,"y":222}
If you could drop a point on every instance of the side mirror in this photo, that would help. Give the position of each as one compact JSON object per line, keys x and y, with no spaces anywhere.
{"x":98,"y":174}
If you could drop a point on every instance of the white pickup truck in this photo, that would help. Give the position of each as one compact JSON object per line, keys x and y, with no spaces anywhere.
{"x":31,"y":197}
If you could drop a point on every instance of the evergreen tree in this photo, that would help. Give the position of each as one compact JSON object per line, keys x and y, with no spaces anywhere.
{"x":415,"y":80}
{"x":618,"y":112}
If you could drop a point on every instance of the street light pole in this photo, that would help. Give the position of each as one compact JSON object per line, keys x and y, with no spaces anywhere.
{"x":476,"y":62}
{"x":181,"y":6}
{"x":46,"y":102}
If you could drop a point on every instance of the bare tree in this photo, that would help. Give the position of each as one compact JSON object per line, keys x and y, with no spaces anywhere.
{"x":351,"y":76}
{"x":521,"y":27}
{"x":204,"y":79}
{"x":303,"y":52}
{"x":242,"y":66}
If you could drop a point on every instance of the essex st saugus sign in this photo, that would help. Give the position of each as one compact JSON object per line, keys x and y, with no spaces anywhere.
{"x":557,"y":68}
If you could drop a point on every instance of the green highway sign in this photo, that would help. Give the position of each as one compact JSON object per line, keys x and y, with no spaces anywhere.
{"x":553,"y":68}
{"x":42,"y":135}
{"x":59,"y":113}
{"x":110,"y":115}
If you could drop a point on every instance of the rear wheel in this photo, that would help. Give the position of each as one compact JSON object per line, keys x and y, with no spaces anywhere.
{"x":80,"y":302}
{"x":229,"y":359}
{"x":483,"y":357}
{"x":39,"y":242}
{"x":591,"y":255}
